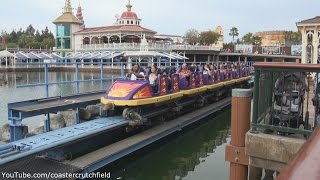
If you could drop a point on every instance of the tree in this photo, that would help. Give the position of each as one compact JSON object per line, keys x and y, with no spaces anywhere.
{"x":30,"y":38}
{"x":46,"y":34}
{"x":13,"y":37}
{"x":249,"y":38}
{"x":24,"y":40}
{"x":48,"y":43}
{"x":37,"y":36}
{"x":292,"y":37}
{"x":234,"y":32}
{"x":12,"y":45}
{"x":256,"y":40}
{"x":208,"y":37}
{"x":228,"y":46}
{"x":192,"y":36}
{"x":30,"y":30}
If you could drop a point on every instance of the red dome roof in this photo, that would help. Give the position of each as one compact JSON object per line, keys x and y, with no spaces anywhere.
{"x":129,"y":15}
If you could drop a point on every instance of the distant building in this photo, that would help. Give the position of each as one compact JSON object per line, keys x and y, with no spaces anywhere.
{"x":272,"y":38}
{"x":72,"y":33}
{"x":310,"y":40}
{"x":219,"y":43}
{"x":169,"y":38}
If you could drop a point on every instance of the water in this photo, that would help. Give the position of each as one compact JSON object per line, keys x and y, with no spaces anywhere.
{"x":9,"y":93}
{"x":193,"y":154}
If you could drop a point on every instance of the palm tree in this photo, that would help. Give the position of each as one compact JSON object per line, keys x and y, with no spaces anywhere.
{"x":247,"y":38}
{"x":234,"y":32}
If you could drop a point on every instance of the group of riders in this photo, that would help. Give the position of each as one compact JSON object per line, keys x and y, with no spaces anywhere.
{"x":151,"y":74}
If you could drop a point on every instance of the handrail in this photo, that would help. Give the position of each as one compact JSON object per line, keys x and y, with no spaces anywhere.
{"x":287,"y":65}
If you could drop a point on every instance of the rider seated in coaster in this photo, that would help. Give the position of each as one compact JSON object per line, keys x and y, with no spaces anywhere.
{"x":152,"y":78}
{"x":222,"y":72}
{"x":135,"y":73}
{"x":206,"y":70}
{"x":184,"y":71}
{"x":165,"y":73}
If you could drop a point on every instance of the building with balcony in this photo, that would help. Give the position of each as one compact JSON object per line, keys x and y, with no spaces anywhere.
{"x":310,"y":31}
{"x":73,"y":35}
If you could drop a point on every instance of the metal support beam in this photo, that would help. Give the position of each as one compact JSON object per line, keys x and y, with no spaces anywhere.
{"x":77,"y":79}
{"x":47,"y":123}
{"x":122,"y":69}
{"x":16,"y":128}
{"x":255,"y":101}
{"x":46,"y":79}
{"x":77,"y":116}
{"x":101,"y":78}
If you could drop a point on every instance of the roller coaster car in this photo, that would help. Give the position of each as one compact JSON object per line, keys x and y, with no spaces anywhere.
{"x":289,"y":100}
{"x":138,"y":103}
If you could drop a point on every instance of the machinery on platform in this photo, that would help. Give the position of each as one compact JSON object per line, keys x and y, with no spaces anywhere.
{"x":288,"y":100}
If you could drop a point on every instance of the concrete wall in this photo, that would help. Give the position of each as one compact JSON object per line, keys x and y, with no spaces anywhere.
{"x":271,"y":152}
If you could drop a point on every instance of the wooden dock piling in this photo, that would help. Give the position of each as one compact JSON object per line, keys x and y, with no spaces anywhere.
{"x":240,"y":125}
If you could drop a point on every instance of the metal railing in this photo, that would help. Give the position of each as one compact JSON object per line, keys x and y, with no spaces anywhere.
{"x":285,"y":98}
{"x":77,"y":80}
{"x":123,"y":46}
{"x":138,"y":46}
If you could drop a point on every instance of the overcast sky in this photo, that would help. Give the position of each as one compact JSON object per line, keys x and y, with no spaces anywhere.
{"x":167,"y":16}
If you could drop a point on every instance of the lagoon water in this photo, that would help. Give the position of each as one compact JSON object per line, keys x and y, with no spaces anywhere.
{"x":196,"y":153}
{"x":9,"y":93}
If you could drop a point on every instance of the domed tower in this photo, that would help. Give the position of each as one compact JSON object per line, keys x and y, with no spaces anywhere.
{"x":80,"y":16}
{"x":219,"y":30}
{"x":66,"y":25}
{"x":128,"y":17}
{"x":220,"y":41}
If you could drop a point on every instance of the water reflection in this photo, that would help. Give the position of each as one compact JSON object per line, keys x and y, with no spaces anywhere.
{"x":181,"y":157}
{"x":9,"y":93}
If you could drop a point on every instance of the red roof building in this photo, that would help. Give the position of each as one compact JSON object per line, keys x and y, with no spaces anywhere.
{"x":73,"y":35}
{"x":127,"y":29}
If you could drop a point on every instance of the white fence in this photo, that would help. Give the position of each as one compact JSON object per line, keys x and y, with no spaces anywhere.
{"x":137,"y":47}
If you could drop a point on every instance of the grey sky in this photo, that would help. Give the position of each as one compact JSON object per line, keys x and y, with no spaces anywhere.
{"x":168,"y":16}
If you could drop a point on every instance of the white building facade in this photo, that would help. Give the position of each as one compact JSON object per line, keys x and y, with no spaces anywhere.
{"x":310,"y":30}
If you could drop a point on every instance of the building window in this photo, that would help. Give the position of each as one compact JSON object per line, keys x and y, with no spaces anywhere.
{"x":63,"y":43}
{"x":127,"y":22}
{"x":67,"y":43}
{"x":131,"y":22}
{"x":63,"y":30}
{"x":58,"y":43}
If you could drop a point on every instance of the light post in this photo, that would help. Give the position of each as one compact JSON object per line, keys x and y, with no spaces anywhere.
{"x":256,"y":44}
